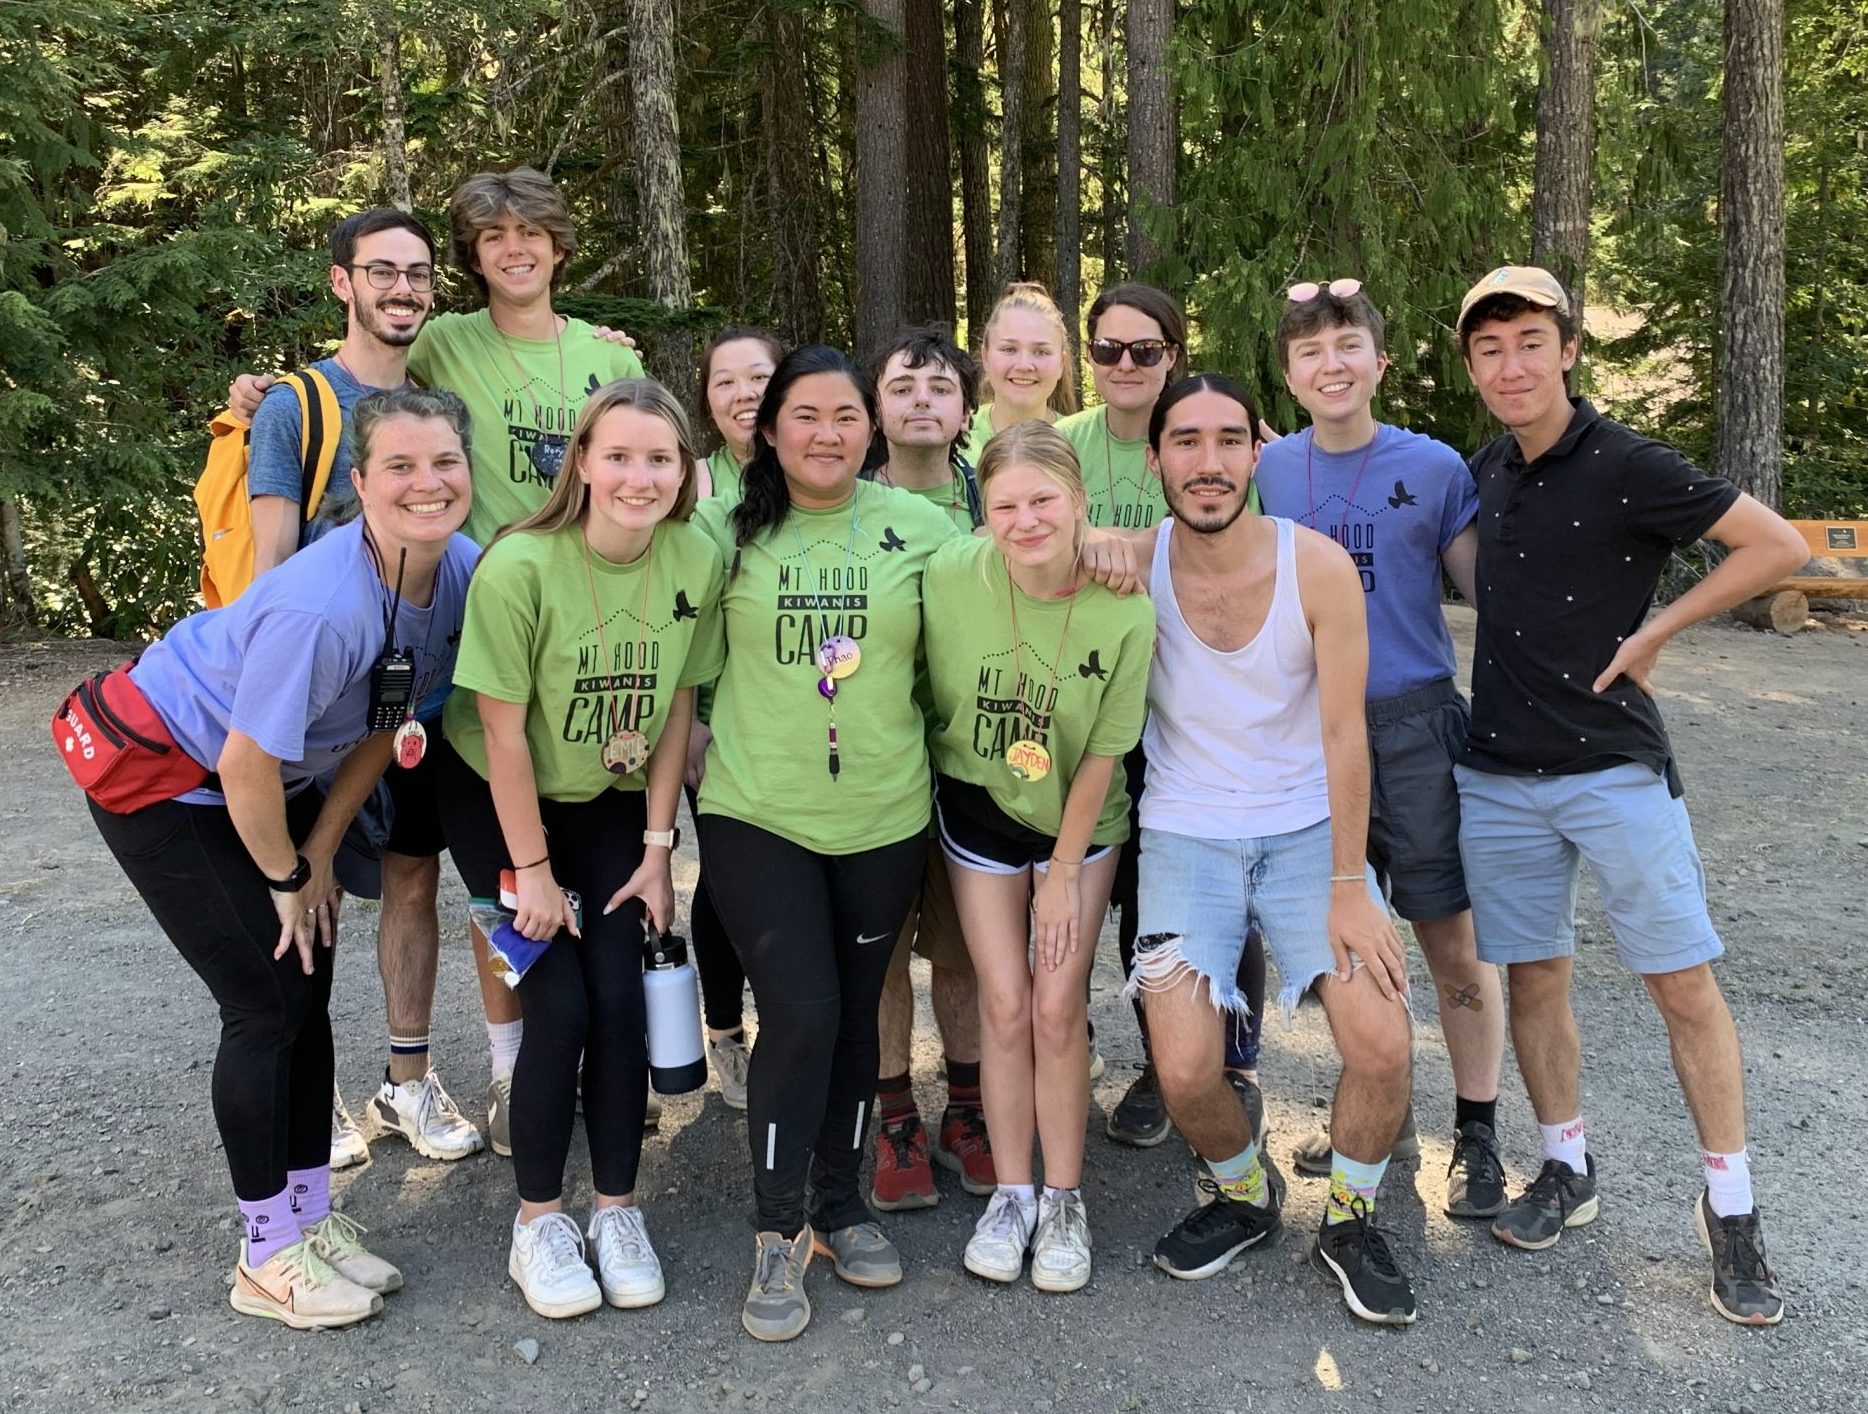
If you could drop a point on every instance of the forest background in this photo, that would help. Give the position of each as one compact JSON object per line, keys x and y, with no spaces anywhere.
{"x":170,"y":170}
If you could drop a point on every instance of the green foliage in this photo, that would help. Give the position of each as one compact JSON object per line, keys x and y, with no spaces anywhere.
{"x":1384,"y":142}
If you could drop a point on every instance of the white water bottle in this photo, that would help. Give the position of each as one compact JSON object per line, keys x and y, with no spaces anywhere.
{"x":671,"y":990}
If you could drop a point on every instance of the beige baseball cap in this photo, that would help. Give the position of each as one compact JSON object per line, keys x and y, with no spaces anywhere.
{"x":1529,"y":282}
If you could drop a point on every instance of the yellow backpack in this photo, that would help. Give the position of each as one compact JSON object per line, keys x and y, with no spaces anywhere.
{"x":221,"y":490}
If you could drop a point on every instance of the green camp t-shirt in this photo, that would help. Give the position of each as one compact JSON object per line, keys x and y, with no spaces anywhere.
{"x":989,"y":693}
{"x":854,"y":570}
{"x":532,"y":635}
{"x":522,"y":410}
{"x":725,"y":471}
{"x":1124,"y":494}
{"x":978,"y":434}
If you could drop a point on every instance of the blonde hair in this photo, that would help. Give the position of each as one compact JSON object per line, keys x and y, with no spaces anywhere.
{"x":1033,"y":298}
{"x":524,"y":192}
{"x":1045,"y":450}
{"x":570,"y":497}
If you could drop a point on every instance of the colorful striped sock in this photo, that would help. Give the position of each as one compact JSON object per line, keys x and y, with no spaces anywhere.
{"x":1242,"y":1177}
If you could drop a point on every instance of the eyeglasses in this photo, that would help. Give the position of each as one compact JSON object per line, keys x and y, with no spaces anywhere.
{"x":383,"y":276}
{"x":1145,"y":353}
{"x":1309,"y":289}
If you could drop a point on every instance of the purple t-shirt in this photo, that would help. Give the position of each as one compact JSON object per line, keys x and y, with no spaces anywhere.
{"x":288,"y":662}
{"x":1395,"y":514}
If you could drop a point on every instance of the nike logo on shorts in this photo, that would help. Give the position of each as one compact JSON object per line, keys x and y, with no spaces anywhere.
{"x":861,"y":941}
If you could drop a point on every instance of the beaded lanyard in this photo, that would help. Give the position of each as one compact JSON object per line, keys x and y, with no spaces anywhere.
{"x":839,"y":656}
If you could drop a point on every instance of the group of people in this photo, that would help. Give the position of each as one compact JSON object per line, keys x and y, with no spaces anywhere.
{"x":942,"y":678}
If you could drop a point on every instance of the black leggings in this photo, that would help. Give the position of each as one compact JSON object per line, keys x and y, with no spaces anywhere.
{"x":1242,"y":1033}
{"x":722,"y":979}
{"x":274,"y":1069}
{"x":815,"y":933}
{"x":582,"y":996}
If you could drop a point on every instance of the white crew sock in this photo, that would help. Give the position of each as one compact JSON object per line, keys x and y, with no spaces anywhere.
{"x":503,"y":1038}
{"x":1564,"y":1142}
{"x":1728,"y":1182}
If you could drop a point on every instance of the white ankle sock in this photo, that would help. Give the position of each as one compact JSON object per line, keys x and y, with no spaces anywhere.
{"x":503,"y":1039}
{"x":1056,"y":1194}
{"x":1728,"y":1182}
{"x":1564,"y":1142}
{"x":1026,"y":1193}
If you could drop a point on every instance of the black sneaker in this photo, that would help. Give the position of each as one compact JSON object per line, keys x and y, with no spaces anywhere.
{"x":1558,"y":1197}
{"x":1253,"y":1099}
{"x":1475,"y":1180}
{"x":1357,"y":1255}
{"x":1208,"y":1238}
{"x":1744,"y":1288}
{"x":1140,"y":1118}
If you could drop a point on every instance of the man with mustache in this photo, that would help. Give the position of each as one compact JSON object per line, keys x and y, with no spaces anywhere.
{"x":383,"y":273}
{"x":1256,"y":810}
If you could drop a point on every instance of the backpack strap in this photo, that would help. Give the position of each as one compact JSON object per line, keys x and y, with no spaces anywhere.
{"x":320,"y":428}
{"x":970,"y":481}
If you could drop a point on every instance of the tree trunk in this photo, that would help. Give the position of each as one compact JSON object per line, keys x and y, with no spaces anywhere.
{"x":395,"y":133}
{"x":1566,"y":144}
{"x":1038,"y":149}
{"x":1011,"y":138}
{"x":97,"y":610}
{"x":1751,"y":222}
{"x":18,"y":581}
{"x":791,"y":180}
{"x":664,"y":238}
{"x":1069,"y":289}
{"x":1110,"y":155}
{"x":969,"y":121}
{"x":927,"y":256}
{"x":881,"y":173}
{"x":1151,"y":125}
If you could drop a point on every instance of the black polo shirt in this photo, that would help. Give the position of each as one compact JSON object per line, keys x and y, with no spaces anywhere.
{"x":1570,"y":549}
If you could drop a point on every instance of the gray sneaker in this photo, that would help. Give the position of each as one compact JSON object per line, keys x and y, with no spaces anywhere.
{"x":1558,"y":1198}
{"x":1312,"y":1154}
{"x":499,"y":1117}
{"x":863,"y":1256}
{"x":730,"y":1059}
{"x":776,"y":1307}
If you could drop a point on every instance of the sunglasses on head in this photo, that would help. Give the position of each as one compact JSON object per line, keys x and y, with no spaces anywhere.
{"x":1145,"y":353}
{"x":1308,"y":290}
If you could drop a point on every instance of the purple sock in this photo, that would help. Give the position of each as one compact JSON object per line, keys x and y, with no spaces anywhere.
{"x":310,"y":1190}
{"x":271,"y":1226}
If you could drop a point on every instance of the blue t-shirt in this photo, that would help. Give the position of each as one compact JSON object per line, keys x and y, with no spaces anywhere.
{"x":288,"y":662}
{"x":273,"y":467}
{"x":1395,"y":515}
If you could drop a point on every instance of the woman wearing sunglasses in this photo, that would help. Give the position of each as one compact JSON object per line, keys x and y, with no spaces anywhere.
{"x":1137,"y":345}
{"x":589,"y":624}
{"x":1040,"y":684}
{"x":815,"y":804}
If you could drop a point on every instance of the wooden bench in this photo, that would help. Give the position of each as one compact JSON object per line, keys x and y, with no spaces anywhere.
{"x":1786,"y":605}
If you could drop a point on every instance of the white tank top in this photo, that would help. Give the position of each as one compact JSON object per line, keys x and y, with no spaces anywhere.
{"x":1234,"y":740}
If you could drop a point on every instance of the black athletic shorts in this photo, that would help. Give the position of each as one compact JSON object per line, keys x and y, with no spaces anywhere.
{"x":1414,"y":740}
{"x":976,"y":834}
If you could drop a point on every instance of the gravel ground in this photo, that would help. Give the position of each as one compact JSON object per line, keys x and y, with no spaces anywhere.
{"x":113,"y":1262}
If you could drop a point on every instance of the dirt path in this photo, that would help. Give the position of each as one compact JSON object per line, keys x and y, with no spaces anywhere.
{"x":113,"y":1257}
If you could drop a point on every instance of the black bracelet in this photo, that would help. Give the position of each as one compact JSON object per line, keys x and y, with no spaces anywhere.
{"x":521,"y":868}
{"x":293,"y":882}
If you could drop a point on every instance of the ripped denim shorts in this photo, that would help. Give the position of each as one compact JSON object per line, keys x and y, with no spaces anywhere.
{"x":1198,"y":897}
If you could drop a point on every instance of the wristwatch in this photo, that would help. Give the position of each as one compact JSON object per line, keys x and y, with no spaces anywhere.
{"x":293,"y":882}
{"x":668,"y":839}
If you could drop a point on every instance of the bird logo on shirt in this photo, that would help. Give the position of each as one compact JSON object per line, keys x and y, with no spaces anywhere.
{"x":590,"y":390}
{"x":1094,"y":668}
{"x":1402,"y":497}
{"x":892,"y":541}
{"x":683,"y":609}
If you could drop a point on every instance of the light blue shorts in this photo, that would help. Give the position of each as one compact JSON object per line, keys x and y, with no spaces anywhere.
{"x":1523,"y":838}
{"x":1197,"y":898}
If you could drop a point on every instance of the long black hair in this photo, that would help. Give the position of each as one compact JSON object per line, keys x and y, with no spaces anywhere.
{"x":765,"y":498}
{"x":1187,"y":388}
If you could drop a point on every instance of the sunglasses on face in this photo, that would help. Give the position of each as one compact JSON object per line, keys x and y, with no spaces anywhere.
{"x":1144,"y":353}
{"x":1339,"y":289}
{"x":383,"y":276}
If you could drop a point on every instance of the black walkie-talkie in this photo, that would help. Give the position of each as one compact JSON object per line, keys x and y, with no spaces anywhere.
{"x":392,"y":689}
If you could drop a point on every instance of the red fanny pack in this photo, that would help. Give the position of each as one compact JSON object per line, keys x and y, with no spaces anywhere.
{"x":116,"y":747}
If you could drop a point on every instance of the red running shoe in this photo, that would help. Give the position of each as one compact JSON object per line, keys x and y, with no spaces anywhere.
{"x":964,"y":1147}
{"x":903,"y":1177}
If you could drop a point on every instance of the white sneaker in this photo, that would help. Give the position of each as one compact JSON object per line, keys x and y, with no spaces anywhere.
{"x":347,"y":1143}
{"x":422,"y":1113}
{"x":300,"y":1289}
{"x":996,"y":1250}
{"x":1060,"y":1253}
{"x":731,"y":1060}
{"x":627,"y":1268}
{"x":546,"y":1262}
{"x":499,"y":1116}
{"x":339,"y":1240}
